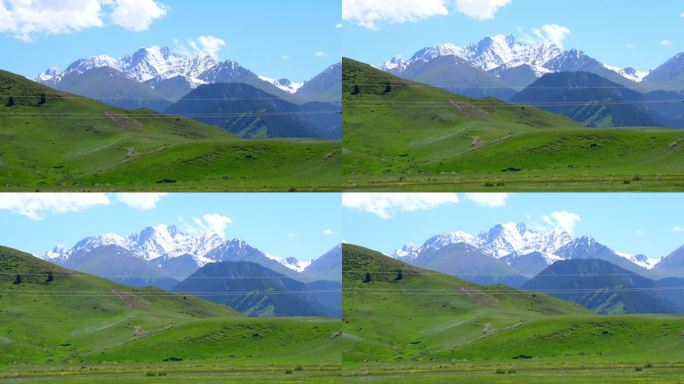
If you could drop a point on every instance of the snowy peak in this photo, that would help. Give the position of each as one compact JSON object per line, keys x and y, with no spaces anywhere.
{"x":283,"y":84}
{"x":499,"y":241}
{"x":150,"y":243}
{"x":499,"y":53}
{"x":143,"y":65}
{"x":628,"y":73}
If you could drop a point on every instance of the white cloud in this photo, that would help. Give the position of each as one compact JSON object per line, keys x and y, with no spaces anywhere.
{"x":677,"y":229}
{"x":291,"y":235}
{"x":630,"y":46}
{"x":665,"y":43}
{"x":285,"y":57}
{"x":136,"y":15}
{"x":320,"y":54}
{"x":25,"y":18}
{"x":681,"y":14}
{"x":371,"y":13}
{"x":213,"y":222}
{"x":36,"y":206}
{"x":385,"y":205}
{"x":327,"y":232}
{"x":562,"y":220}
{"x":480,"y":9}
{"x":141,"y":201}
{"x":338,"y":26}
{"x":552,"y":33}
{"x":490,"y":200}
{"x":640,"y":232}
{"x":207,"y":45}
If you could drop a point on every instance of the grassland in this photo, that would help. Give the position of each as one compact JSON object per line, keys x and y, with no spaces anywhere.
{"x":433,"y":328}
{"x":79,"y":328}
{"x":55,"y":141}
{"x":402,"y":135}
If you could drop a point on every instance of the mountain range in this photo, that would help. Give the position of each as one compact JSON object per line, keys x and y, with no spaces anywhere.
{"x":578,"y":269}
{"x":567,"y":82}
{"x":525,"y":251}
{"x":166,"y":257}
{"x":156,"y":78}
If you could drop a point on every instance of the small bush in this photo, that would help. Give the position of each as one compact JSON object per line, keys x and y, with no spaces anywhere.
{"x":288,"y":371}
{"x":150,"y":374}
{"x":500,"y":371}
{"x":299,"y":368}
{"x":648,"y":365}
{"x":638,"y":369}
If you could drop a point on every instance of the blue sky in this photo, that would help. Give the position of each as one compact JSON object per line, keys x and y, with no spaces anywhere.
{"x":278,"y":224}
{"x":274,"y":38}
{"x":616,"y":32}
{"x":652,"y":224}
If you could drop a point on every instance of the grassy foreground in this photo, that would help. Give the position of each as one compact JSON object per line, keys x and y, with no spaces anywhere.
{"x":56,"y":141}
{"x":402,"y":135}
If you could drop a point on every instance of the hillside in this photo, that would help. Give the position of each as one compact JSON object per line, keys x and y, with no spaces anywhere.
{"x":251,"y":113}
{"x":394,"y":311}
{"x":405,"y":316}
{"x":601,"y":286}
{"x":402,"y":135}
{"x":100,"y":322}
{"x":590,"y":100}
{"x":59,"y":141}
{"x":259,"y":292}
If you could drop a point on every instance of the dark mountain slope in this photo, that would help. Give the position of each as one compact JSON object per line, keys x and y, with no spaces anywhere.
{"x":590,"y":100}
{"x":252,"y":113}
{"x":601,"y":286}
{"x":257,"y":291}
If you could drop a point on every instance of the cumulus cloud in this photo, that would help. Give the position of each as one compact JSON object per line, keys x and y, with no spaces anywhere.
{"x":327,"y":232}
{"x":338,"y":26}
{"x":291,"y":235}
{"x":141,"y":201}
{"x":207,"y":45}
{"x":285,"y":57}
{"x":630,"y":45}
{"x":562,"y":220}
{"x":665,"y":42}
{"x":320,"y":54}
{"x":490,"y":200}
{"x":214,"y":223}
{"x":36,"y":206}
{"x":386,"y":205}
{"x":371,"y":13}
{"x":677,"y":229}
{"x":552,"y":33}
{"x":480,"y":9}
{"x":640,"y":232}
{"x":25,"y":18}
{"x":136,"y":15}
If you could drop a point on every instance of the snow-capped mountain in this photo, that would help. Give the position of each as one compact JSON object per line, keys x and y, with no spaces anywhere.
{"x":155,"y":64}
{"x":143,"y":65}
{"x":498,"y":54}
{"x":161,"y":243}
{"x":283,"y":84}
{"x":149,"y":244}
{"x":290,"y":262}
{"x":499,"y":241}
{"x":522,"y":247}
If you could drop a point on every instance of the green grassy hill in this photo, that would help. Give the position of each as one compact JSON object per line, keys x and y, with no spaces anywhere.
{"x":75,"y":319}
{"x":52,"y":140}
{"x":400,"y":320}
{"x":399,"y":134}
